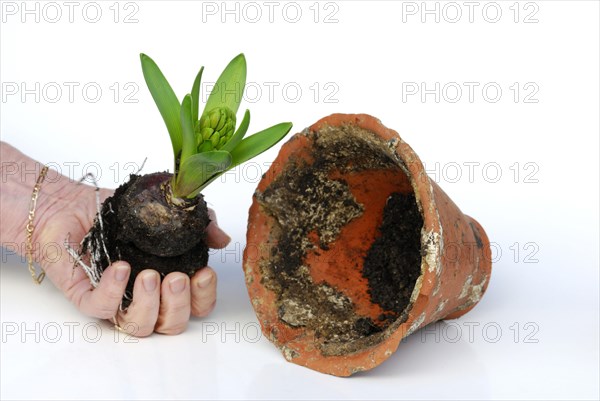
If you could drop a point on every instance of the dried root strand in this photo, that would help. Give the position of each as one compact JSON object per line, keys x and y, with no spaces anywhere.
{"x":93,"y":245}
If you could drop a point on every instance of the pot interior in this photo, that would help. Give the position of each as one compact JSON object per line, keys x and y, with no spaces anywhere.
{"x":345,"y":239}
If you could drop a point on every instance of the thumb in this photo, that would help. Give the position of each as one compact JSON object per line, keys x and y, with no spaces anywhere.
{"x":216,"y":238}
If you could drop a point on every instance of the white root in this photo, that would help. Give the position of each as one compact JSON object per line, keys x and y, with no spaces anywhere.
{"x":92,"y":273}
{"x":95,"y":245}
{"x":142,"y":166}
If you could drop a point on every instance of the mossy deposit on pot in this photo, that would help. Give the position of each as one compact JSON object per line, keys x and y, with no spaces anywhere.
{"x":314,"y":207}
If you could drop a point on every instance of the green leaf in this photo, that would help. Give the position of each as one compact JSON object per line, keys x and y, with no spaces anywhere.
{"x":252,"y":146}
{"x":197,"y":169}
{"x":187,"y":128}
{"x":165,"y":100}
{"x":239,"y":134}
{"x":229,"y":88}
{"x":196,"y":95}
{"x":258,"y":143}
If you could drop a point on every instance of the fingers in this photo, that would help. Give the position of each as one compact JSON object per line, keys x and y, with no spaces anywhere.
{"x":175,"y":308}
{"x":141,"y":316}
{"x":162,"y":307}
{"x":104,"y":300}
{"x":204,"y":292}
{"x":216,"y":238}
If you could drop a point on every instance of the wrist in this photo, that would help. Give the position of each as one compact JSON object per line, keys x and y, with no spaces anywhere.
{"x":19,"y":175}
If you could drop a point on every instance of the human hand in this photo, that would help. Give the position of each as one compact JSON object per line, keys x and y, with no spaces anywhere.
{"x":164,"y":307}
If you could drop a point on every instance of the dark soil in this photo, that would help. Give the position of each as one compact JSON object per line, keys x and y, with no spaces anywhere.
{"x":141,"y":227}
{"x":393,"y":262}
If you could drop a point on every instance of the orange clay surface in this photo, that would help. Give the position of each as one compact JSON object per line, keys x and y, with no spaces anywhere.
{"x":341,"y":266}
{"x":456,"y":264}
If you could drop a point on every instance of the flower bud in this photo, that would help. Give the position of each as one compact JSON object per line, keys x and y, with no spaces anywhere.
{"x":215,"y":128}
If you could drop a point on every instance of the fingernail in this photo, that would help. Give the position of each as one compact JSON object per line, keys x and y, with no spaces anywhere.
{"x":226,"y":239}
{"x":121,"y":272}
{"x":177,"y":285}
{"x":204,"y":278}
{"x":149,"y":281}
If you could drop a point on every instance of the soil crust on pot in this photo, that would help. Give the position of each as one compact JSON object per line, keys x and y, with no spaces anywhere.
{"x":347,"y":295}
{"x":141,"y":227}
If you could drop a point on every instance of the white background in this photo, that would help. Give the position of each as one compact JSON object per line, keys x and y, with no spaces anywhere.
{"x":535,"y":332}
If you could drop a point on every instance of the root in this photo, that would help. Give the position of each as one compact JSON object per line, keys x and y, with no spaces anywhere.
{"x":95,"y":245}
{"x":91,"y":271}
{"x":141,"y":167}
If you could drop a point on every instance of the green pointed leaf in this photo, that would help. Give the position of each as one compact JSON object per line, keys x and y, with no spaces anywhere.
{"x":229,"y":88}
{"x":187,"y":127}
{"x":165,"y":100}
{"x":239,"y":134}
{"x":253,"y":147}
{"x":197,"y":169}
{"x":196,"y":95}
{"x":256,"y":144}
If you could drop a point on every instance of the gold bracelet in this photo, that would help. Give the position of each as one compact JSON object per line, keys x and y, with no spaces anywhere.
{"x":30,"y":227}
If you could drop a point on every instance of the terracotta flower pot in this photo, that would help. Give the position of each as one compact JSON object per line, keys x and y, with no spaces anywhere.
{"x":351,"y":247}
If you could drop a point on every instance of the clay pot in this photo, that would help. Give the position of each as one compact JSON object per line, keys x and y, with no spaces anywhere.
{"x":336,"y":275}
